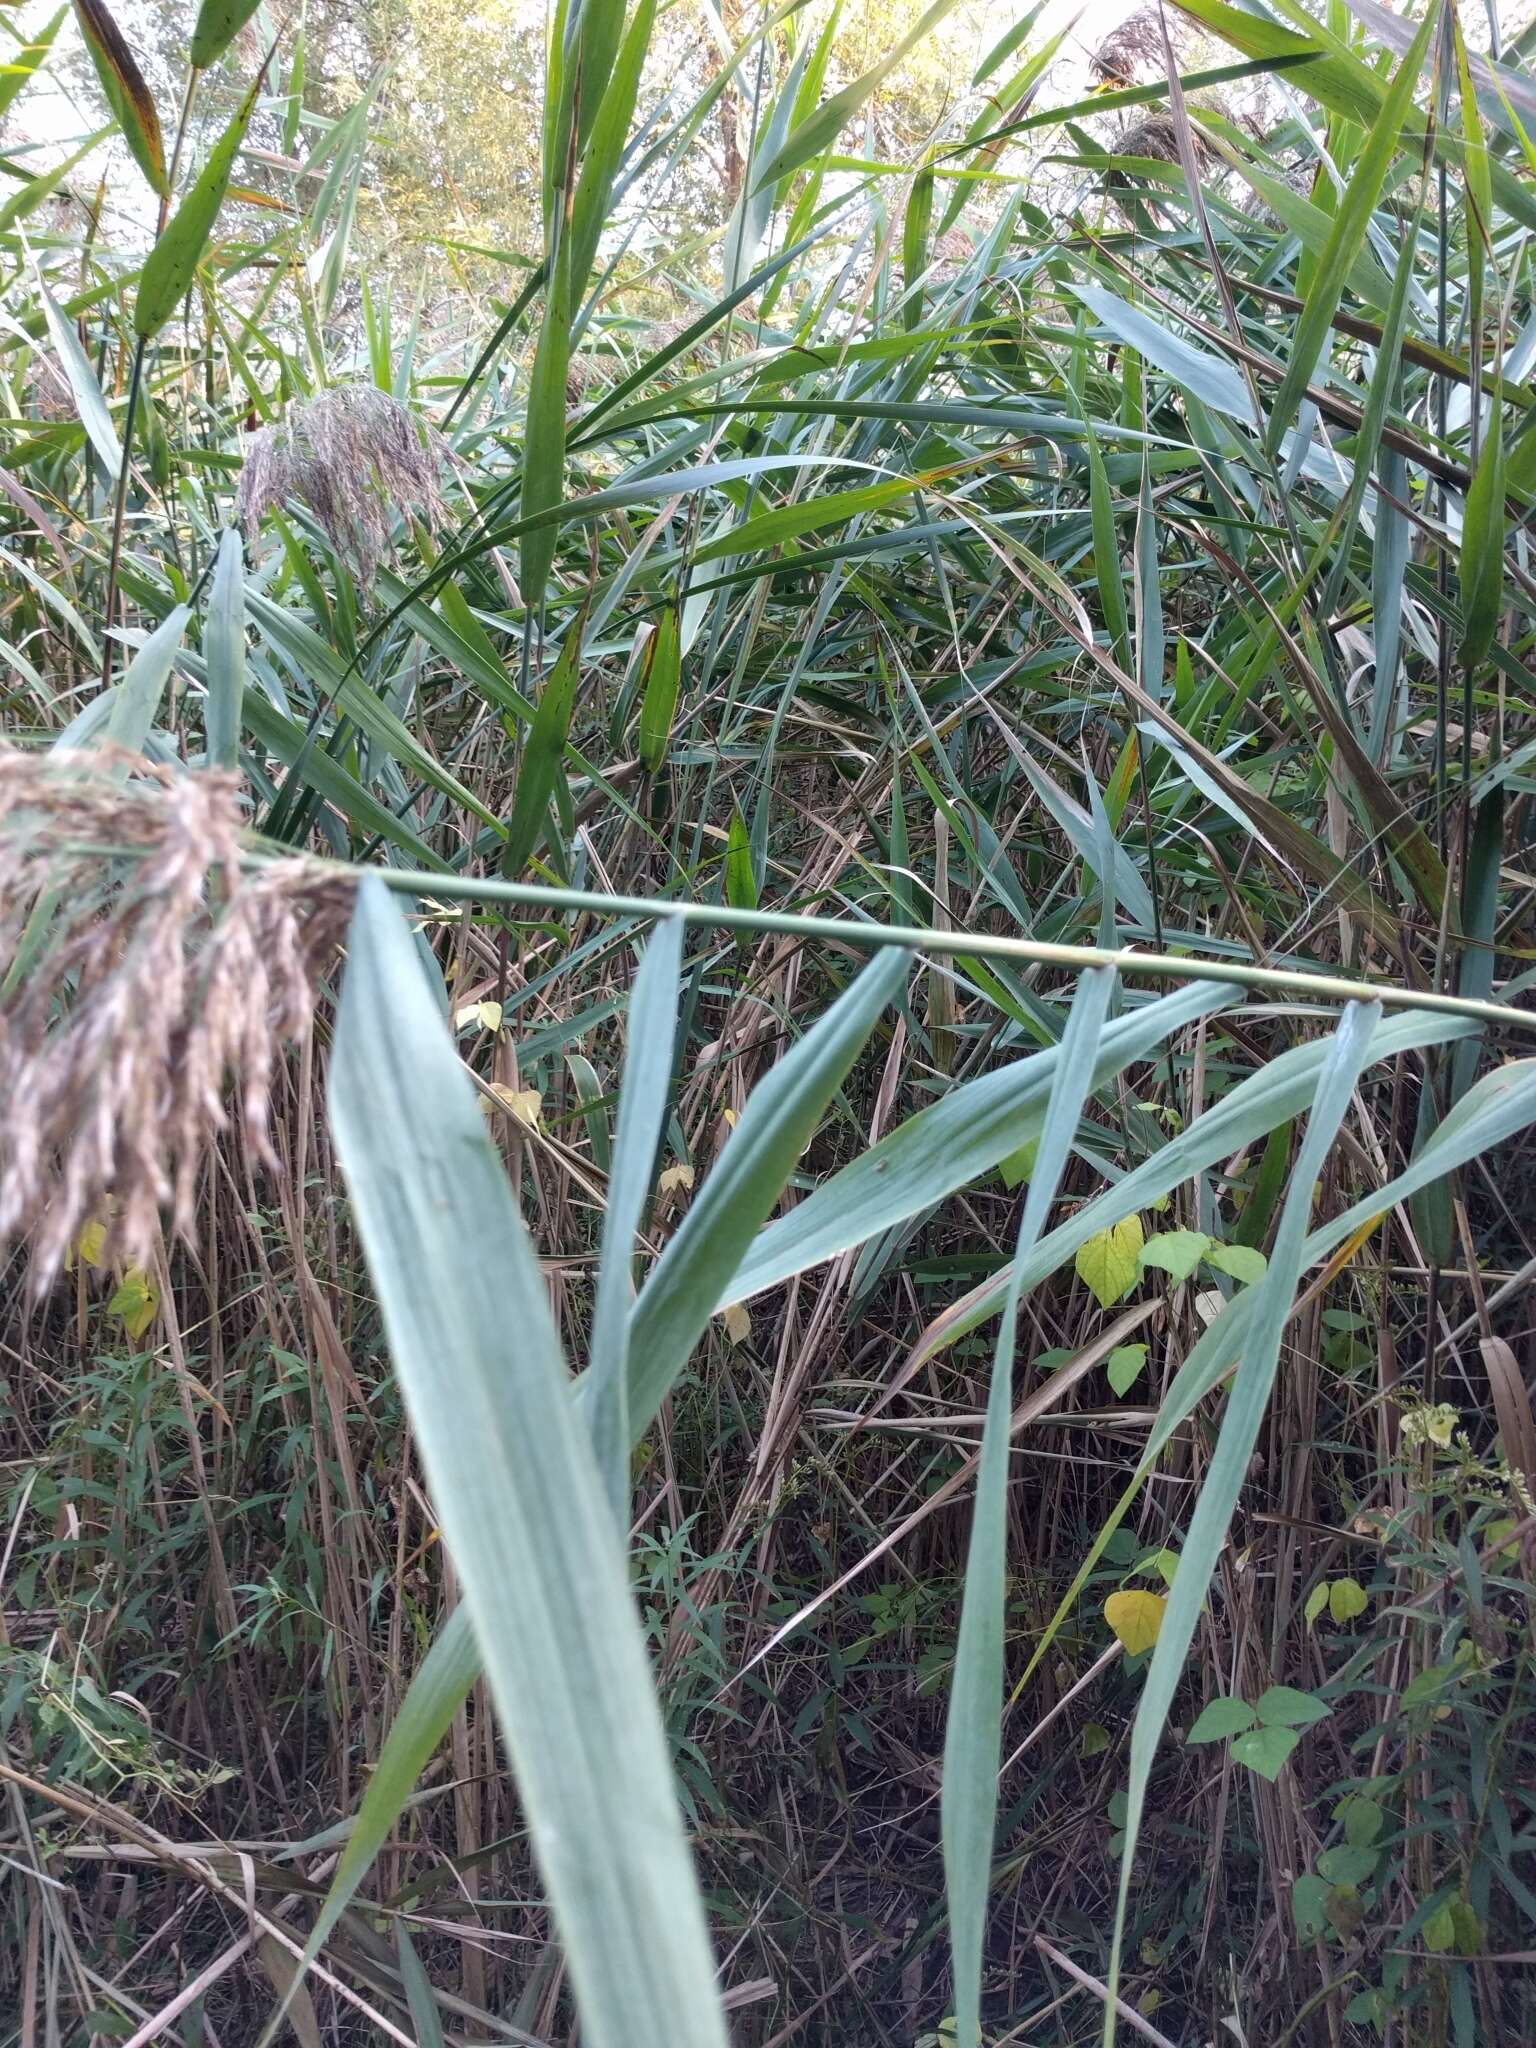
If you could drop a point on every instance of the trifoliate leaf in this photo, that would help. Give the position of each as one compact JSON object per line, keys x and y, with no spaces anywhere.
{"x":1107,"y":1262}
{"x":1135,"y":1618}
{"x":136,"y":1302}
{"x":1124,"y":1365}
{"x":1363,"y":1821}
{"x":1221,"y":1719}
{"x":1345,"y":1865}
{"x":1265,"y":1750}
{"x":1176,"y":1252}
{"x":1282,"y":1706}
{"x":88,"y":1245}
{"x":1240,"y":1260}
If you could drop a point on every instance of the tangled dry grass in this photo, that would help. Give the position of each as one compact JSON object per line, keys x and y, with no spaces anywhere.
{"x":137,"y":989}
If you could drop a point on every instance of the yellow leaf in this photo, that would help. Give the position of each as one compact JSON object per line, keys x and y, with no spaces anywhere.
{"x":486,"y":1015}
{"x":136,"y":1302}
{"x":1135,"y":1619}
{"x":738,"y":1324}
{"x":523,"y":1104}
{"x":1347,"y":1600}
{"x":1440,"y":1422}
{"x":675,"y":1177}
{"x":1107,"y":1263}
{"x":87,"y":1246}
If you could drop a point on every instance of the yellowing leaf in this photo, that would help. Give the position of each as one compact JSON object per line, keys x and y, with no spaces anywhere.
{"x":675,"y":1177}
{"x":738,"y":1324}
{"x":1135,"y":1618}
{"x":1317,"y":1600}
{"x":136,"y":1302}
{"x":486,"y":1015}
{"x":1107,"y":1263}
{"x":87,"y":1246}
{"x":523,"y":1104}
{"x":1347,"y":1600}
{"x":1439,"y":1930}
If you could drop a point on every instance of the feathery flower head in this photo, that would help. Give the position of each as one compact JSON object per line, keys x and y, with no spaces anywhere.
{"x":155,"y":971}
{"x":357,"y":458}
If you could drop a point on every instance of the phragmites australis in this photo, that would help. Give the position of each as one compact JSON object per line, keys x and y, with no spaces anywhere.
{"x":154,"y":975}
{"x":1133,"y":54}
{"x":1154,"y":139}
{"x":358,"y":459}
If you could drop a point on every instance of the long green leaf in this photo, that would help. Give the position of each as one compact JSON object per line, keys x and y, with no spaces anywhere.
{"x":218,"y":23}
{"x":520,"y":1500}
{"x":136,"y":696}
{"x":696,"y":1273}
{"x":172,"y":264}
{"x":28,"y":61}
{"x":973,"y":1731}
{"x":1246,"y":1406}
{"x":224,"y":648}
{"x":642,"y":1113}
{"x":819,"y":130}
{"x":1347,"y":237}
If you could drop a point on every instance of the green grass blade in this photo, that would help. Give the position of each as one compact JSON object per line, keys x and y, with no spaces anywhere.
{"x":642,"y":1114}
{"x":1246,"y":1406}
{"x":973,"y":1731}
{"x":1347,"y":237}
{"x":520,"y":1500}
{"x":543,"y":757}
{"x":945,"y":1146}
{"x":172,"y":264}
{"x":224,"y":650}
{"x":433,"y":1697}
{"x":136,"y":697}
{"x":697,"y":1272}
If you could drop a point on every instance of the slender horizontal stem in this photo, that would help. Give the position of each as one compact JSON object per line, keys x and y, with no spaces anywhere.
{"x":1323,"y":988}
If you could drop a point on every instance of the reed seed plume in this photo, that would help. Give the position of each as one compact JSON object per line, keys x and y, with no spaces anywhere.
{"x":147,"y":976}
{"x":1133,"y":54}
{"x":358,"y":459}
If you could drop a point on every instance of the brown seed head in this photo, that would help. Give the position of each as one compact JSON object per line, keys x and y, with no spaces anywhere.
{"x":156,"y":975}
{"x":357,"y":458}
